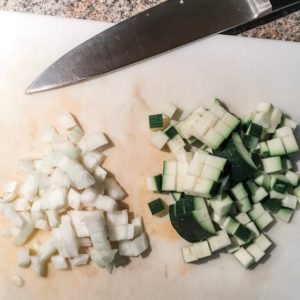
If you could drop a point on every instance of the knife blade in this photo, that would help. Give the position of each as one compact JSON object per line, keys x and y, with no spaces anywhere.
{"x":162,"y":28}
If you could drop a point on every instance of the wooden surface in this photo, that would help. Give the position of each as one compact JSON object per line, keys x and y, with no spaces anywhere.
{"x":240,"y":71}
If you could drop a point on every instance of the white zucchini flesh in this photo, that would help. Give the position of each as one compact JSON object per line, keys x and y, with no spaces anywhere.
{"x":244,"y":257}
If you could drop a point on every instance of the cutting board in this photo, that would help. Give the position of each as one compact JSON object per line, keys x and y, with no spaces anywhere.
{"x":238,"y":70}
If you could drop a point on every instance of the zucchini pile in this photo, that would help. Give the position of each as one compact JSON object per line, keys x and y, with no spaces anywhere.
{"x":229,"y":179}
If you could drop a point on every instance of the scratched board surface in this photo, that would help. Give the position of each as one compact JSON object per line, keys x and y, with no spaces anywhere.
{"x":240,"y":71}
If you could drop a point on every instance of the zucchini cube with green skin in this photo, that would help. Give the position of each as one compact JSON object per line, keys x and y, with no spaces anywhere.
{"x":189,"y":183}
{"x":159,"y":140}
{"x":290,"y":201}
{"x":290,"y":144}
{"x":235,"y":246}
{"x":272,"y":205}
{"x":192,"y":203}
{"x":297,"y":192}
{"x":169,"y":110}
{"x":263,"y":242}
{"x":254,"y":130}
{"x":280,"y":186}
{"x":243,"y":233}
{"x":154,"y":183}
{"x":250,"y":142}
{"x":263,"y":180}
{"x":223,"y":129}
{"x":284,"y":214}
{"x":276,"y":147}
{"x":288,"y":122}
{"x":230,"y":225}
{"x":275,"y":195}
{"x":259,"y":195}
{"x":171,"y":132}
{"x":244,"y":257}
{"x":264,"y":220}
{"x":252,"y":227}
{"x":284,"y":131}
{"x":264,"y":149}
{"x":205,"y":187}
{"x":156,"y":206}
{"x":197,"y":163}
{"x":272,"y":164}
{"x":212,"y":139}
{"x":292,"y":177}
{"x":286,"y":163}
{"x":170,"y":167}
{"x":215,"y":162}
{"x":176,"y":196}
{"x":156,"y":122}
{"x":255,"y":251}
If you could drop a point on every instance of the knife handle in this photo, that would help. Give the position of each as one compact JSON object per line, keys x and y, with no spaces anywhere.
{"x":278,"y":13}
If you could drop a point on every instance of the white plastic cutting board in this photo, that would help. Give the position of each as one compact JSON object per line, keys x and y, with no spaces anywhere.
{"x":240,"y":71}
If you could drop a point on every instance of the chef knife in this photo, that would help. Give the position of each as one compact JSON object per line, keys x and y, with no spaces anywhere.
{"x":154,"y":31}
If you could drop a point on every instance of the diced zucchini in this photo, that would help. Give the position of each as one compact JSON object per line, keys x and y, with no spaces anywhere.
{"x":251,"y":186}
{"x":239,"y":191}
{"x":176,"y":144}
{"x":171,"y":132}
{"x":156,"y":206}
{"x":250,"y":142}
{"x":290,"y":144}
{"x":182,"y":168}
{"x":244,"y":205}
{"x":297,"y":192}
{"x":219,"y":241}
{"x":289,"y":122}
{"x":159,"y":140}
{"x":262,"y":119}
{"x":263,"y":242}
{"x":205,"y":187}
{"x":230,"y":120}
{"x":218,"y":219}
{"x":264,"y":220}
{"x":255,"y":251}
{"x":234,"y":245}
{"x":170,"y":167}
{"x":222,"y":206}
{"x":169,"y":110}
{"x":286,"y":163}
{"x":216,"y":162}
{"x":275,"y":195}
{"x":196,"y":251}
{"x":230,"y":225}
{"x":212,"y":138}
{"x":263,"y":107}
{"x":200,"y":111}
{"x":252,"y":227}
{"x":275,"y":120}
{"x":256,"y":211}
{"x":284,"y":214}
{"x":154,"y":183}
{"x":272,"y":164}
{"x":276,"y":147}
{"x":272,"y":205}
{"x":192,"y":203}
{"x":280,"y":186}
{"x":292,"y":177}
{"x":196,"y":164}
{"x":264,"y":149}
{"x":176,"y":196}
{"x":168,"y":183}
{"x":211,"y":173}
{"x":263,"y":180}
{"x":284,"y":131}
{"x":223,"y":129}
{"x":189,"y":183}
{"x":156,"y":122}
{"x":290,"y":201}
{"x":243,"y":218}
{"x":218,"y":111}
{"x":259,"y":195}
{"x":254,"y":130}
{"x":243,"y":233}
{"x":244,"y":257}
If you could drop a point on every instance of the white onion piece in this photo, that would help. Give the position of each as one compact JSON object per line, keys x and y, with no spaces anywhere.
{"x":23,"y":257}
{"x":36,"y":206}
{"x":80,"y":260}
{"x":46,"y":250}
{"x":91,"y":159}
{"x":88,"y":197}
{"x":53,"y":218}
{"x":30,"y":186}
{"x":43,"y":166}
{"x":18,"y":281}
{"x":26,"y":164}
{"x":84,"y":242}
{"x":74,"y":199}
{"x":64,"y":238}
{"x":10,"y":191}
{"x":114,"y":189}
{"x":68,"y":149}
{"x":50,"y":135}
{"x":67,"y":121}
{"x":21,"y":204}
{"x":42,"y":224}
{"x":59,"y":179}
{"x":93,"y":141}
{"x":37,"y":266}
{"x":59,"y":262}
{"x":100,"y":173}
{"x":118,"y":217}
{"x":106,"y":203}
{"x":76,"y":134}
{"x":80,"y":178}
{"x":15,"y":218}
{"x":55,"y":199}
{"x":139,"y":244}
